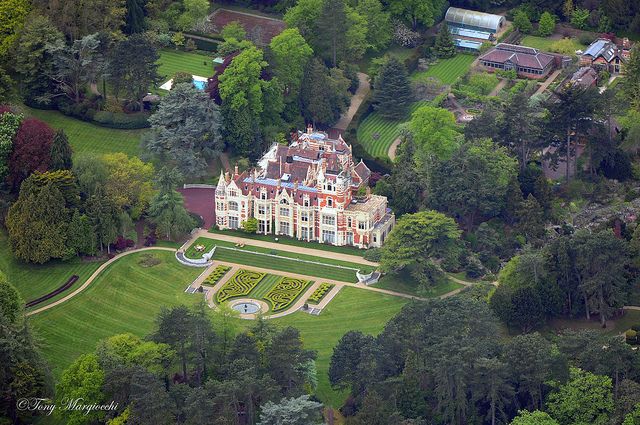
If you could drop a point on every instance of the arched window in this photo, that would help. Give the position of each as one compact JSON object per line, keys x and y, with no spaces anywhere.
{"x":329,"y":202}
{"x":283,"y":201}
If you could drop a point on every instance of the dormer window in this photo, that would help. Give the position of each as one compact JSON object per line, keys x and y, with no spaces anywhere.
{"x":263,"y":195}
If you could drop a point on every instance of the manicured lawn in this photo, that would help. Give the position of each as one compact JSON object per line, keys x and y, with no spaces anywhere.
{"x":210,"y":243}
{"x":87,"y":137}
{"x":544,"y":43}
{"x":206,"y":242}
{"x":265,"y":285}
{"x":376,"y":134}
{"x":404,"y":282}
{"x":128,"y":297}
{"x":284,"y":264}
{"x":33,"y":281}
{"x":173,"y":61}
{"x":124,"y":298}
{"x":351,"y":309}
{"x":291,"y":241}
{"x":447,"y":70}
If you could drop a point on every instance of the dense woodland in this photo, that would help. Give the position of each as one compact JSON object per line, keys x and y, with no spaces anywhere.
{"x":470,"y":199}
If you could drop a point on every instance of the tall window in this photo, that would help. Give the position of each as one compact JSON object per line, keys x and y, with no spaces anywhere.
{"x":263,"y":195}
{"x":329,"y":219}
{"x":233,"y":222}
{"x":233,"y":206}
{"x":284,"y":228}
{"x":284,"y":212}
{"x":329,"y":202}
{"x":362,"y":225}
{"x":304,"y":216}
{"x":261,"y":209}
{"x":328,"y":236}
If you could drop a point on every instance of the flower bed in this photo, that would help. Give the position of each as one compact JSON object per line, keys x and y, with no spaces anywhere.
{"x":239,"y":285}
{"x":215,"y":276}
{"x":285,"y":292}
{"x":319,"y":293}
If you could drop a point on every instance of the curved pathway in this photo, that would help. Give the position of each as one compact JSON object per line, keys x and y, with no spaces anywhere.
{"x":361,"y":93}
{"x":393,"y":149}
{"x":94,"y":276}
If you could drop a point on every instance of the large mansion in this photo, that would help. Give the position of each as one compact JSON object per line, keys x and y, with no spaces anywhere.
{"x":307,"y":190}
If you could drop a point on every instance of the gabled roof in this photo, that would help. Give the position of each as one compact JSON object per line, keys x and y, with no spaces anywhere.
{"x":602,"y":48}
{"x":519,"y":55}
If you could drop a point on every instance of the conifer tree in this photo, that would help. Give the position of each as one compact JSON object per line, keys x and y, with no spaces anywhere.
{"x":444,"y":46}
{"x":631,"y":80}
{"x":61,"y":152}
{"x":392,"y":94}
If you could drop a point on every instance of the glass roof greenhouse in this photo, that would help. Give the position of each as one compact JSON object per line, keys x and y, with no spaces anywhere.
{"x":474,"y":20}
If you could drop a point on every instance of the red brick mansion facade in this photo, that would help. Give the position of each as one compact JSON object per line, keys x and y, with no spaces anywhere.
{"x":307,"y":190}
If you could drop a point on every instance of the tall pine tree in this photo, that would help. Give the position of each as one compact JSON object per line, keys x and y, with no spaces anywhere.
{"x":444,"y":46}
{"x":392,"y":94}
{"x":60,"y":152}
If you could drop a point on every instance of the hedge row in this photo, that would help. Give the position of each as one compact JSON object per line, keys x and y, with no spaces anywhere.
{"x":215,"y":276}
{"x":320,"y":293}
{"x":285,"y":292}
{"x":121,"y":121}
{"x":239,"y":285}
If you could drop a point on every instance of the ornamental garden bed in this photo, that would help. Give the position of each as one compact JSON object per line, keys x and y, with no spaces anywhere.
{"x":319,"y":294}
{"x":215,"y":275}
{"x":239,"y":285}
{"x":285,"y":293}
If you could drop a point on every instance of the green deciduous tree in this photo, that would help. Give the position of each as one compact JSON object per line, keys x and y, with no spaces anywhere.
{"x":324,"y":93}
{"x":9,"y":124}
{"x":585,"y":399}
{"x":61,"y":152}
{"x":392,"y":95}
{"x":14,"y":14}
{"x":579,"y":18}
{"x":194,"y":11}
{"x":521,"y":22}
{"x":472,"y":184}
{"x":547,"y":24}
{"x":420,"y":237}
{"x":185,"y":130}
{"x":129,"y":182}
{"x":434,"y":132}
{"x":81,"y":381}
{"x":536,"y":417}
{"x":417,"y":11}
{"x":444,"y":46}
{"x":290,"y":54}
{"x":379,"y":30}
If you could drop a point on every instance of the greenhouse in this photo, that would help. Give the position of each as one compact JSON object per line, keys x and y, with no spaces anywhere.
{"x":473,"y":20}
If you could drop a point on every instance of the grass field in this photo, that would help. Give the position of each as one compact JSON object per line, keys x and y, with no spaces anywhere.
{"x":447,"y":70}
{"x":285,"y":265}
{"x":33,"y":281}
{"x":127,"y":298}
{"x":285,"y":240}
{"x":87,"y":137}
{"x":124,"y":298}
{"x":376,"y":134}
{"x":173,"y":61}
{"x":210,"y":243}
{"x":404,"y":282}
{"x":544,"y":43}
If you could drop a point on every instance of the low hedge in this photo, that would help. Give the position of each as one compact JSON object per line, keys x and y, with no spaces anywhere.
{"x":121,"y":121}
{"x":216,"y":274}
{"x":320,"y":293}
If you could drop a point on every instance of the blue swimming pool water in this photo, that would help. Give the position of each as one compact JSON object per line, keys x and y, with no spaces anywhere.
{"x":200,"y":85}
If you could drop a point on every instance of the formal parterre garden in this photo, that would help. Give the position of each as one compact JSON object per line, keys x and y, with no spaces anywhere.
{"x":240,"y":284}
{"x":320,"y":292}
{"x":285,"y":292}
{"x":216,"y":274}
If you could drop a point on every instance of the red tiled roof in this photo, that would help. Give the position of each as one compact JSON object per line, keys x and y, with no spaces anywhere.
{"x":520,"y":57}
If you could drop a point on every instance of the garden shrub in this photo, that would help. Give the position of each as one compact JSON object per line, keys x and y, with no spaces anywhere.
{"x":121,"y":120}
{"x":586,"y":38}
{"x":285,"y":292}
{"x":239,"y":285}
{"x":631,"y":335}
{"x":320,"y":293}
{"x":216,"y":274}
